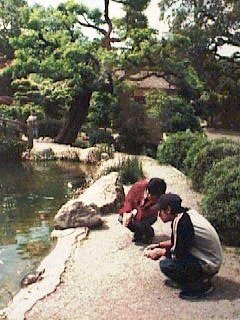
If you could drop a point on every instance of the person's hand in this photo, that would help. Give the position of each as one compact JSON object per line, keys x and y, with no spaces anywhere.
{"x":155,"y":254}
{"x":165,"y":244}
{"x":152,"y":246}
{"x":127,"y":216}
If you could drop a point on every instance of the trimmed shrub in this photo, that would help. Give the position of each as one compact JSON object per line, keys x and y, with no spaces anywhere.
{"x":50,"y":127}
{"x":130,"y":170}
{"x":79,"y":143}
{"x":132,"y":138}
{"x":213,"y":152}
{"x":174,"y":150}
{"x":100,"y":136}
{"x":11,"y":150}
{"x":221,"y":203}
{"x":192,"y":153}
{"x":173,"y":113}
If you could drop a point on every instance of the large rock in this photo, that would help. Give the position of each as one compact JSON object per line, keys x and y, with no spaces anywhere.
{"x":104,"y":196}
{"x":88,"y":155}
{"x":106,"y":193}
{"x":76,"y":214}
{"x":42,"y":154}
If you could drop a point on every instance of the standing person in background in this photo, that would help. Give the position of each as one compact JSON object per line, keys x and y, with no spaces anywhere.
{"x":137,"y":213}
{"x":32,"y":127}
{"x":32,"y":123}
{"x":193,"y":255}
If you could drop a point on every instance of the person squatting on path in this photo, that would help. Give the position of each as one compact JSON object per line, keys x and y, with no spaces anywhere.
{"x":137,"y":213}
{"x":193,"y":255}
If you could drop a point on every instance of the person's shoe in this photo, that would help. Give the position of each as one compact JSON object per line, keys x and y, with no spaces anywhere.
{"x":137,"y":238}
{"x":196,"y":294}
{"x":171,"y":284}
{"x":147,"y":238}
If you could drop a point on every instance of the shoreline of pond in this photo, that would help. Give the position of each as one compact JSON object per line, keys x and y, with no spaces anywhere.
{"x":30,"y":198}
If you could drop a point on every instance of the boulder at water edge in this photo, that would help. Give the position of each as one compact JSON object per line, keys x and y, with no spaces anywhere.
{"x":105,"y":195}
{"x":76,"y":214}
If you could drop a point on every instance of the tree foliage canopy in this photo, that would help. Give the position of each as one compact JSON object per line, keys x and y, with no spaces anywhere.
{"x":209,"y":25}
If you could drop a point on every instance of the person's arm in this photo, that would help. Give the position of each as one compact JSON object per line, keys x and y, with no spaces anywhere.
{"x":129,"y":203}
{"x":183,"y":237}
{"x":151,"y":210}
{"x":163,"y":244}
{"x":155,"y":254}
{"x":127,"y":217}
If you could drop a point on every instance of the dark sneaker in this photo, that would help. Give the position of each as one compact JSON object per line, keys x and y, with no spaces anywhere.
{"x":171,"y":284}
{"x":137,"y":238}
{"x":147,"y":238}
{"x":196,"y":294}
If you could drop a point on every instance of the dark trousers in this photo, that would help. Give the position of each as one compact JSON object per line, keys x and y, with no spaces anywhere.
{"x":186,"y":271}
{"x":141,"y":227}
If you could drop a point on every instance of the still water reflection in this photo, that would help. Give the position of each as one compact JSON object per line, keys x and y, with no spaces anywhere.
{"x":30,"y":196}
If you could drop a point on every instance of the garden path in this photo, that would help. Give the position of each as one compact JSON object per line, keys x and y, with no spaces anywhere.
{"x":109,"y":278}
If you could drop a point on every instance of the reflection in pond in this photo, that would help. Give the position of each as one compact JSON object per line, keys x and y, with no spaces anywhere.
{"x":30,"y":196}
{"x":35,"y":242}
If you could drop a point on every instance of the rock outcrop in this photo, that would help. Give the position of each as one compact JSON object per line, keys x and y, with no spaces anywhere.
{"x":41,"y":148}
{"x":106,"y":193}
{"x":43,"y":154}
{"x":104,"y":196}
{"x":76,"y":214}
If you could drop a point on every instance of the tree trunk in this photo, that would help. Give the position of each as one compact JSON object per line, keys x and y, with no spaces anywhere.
{"x":75,"y":118}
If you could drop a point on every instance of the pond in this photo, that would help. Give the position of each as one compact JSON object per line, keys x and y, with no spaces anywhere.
{"x":31,"y":193}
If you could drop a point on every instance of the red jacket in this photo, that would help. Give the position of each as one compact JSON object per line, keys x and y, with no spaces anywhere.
{"x":137,"y":199}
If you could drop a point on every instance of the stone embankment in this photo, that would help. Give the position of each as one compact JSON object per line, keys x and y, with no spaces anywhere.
{"x":43,"y":150}
{"x":106,"y":276}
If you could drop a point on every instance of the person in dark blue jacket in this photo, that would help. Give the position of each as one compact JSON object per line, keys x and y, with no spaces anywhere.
{"x":193,"y":255}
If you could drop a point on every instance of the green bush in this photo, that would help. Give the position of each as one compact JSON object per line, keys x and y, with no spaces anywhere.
{"x":100,"y":136}
{"x":174,"y":150}
{"x":130,"y":170}
{"x":214,"y":151}
{"x":131,"y":140}
{"x":79,"y":143}
{"x":220,"y":203}
{"x":11,"y":150}
{"x":192,"y":153}
{"x":49,"y":127}
{"x":173,"y":113}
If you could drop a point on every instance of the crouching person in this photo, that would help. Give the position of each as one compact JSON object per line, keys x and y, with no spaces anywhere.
{"x":137,"y":213}
{"x":193,"y":255}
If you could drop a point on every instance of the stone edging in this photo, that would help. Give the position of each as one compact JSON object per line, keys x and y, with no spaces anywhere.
{"x":51,"y":268}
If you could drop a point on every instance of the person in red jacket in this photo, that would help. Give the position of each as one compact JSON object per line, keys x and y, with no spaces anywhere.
{"x":138,"y":213}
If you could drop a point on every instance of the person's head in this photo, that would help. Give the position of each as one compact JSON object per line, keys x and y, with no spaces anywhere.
{"x":169,"y":205}
{"x":32,"y":111}
{"x":156,"y":187}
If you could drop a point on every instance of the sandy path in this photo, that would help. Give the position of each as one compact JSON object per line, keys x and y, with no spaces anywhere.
{"x":108,"y":277}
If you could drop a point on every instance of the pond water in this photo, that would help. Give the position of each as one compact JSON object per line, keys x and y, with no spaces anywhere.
{"x":30,"y":196}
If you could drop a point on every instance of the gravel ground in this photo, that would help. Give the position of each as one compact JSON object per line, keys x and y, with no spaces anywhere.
{"x":108,"y":276}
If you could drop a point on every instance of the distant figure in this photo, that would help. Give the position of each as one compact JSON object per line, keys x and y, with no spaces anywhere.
{"x":32,"y":124}
{"x":193,"y":255}
{"x":32,"y":127}
{"x":137,"y":213}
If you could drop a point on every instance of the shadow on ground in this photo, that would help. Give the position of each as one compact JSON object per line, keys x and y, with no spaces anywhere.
{"x":225,"y":289}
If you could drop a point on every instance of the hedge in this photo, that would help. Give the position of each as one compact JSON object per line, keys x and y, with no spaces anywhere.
{"x":193,"y":152}
{"x":174,"y":150}
{"x":213,"y":152}
{"x":220,"y":203}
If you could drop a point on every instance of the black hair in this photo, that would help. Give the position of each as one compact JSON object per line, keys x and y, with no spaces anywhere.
{"x":173,"y":201}
{"x":156,"y":187}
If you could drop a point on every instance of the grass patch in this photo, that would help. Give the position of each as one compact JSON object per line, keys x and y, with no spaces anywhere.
{"x":130,"y":170}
